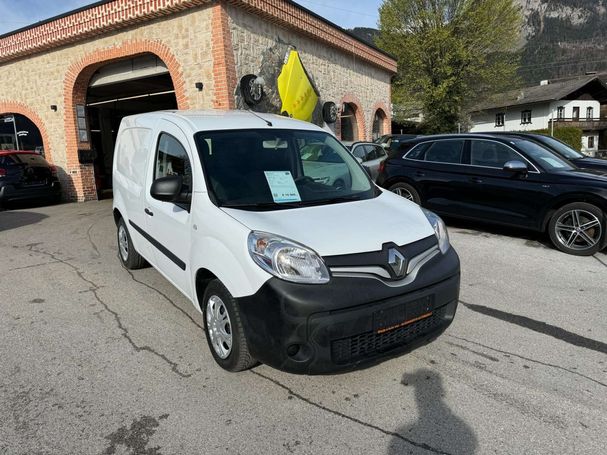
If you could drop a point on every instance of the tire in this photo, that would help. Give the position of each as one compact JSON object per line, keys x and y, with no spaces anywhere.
{"x":224,"y":331}
{"x":126,"y":251}
{"x":578,"y":228}
{"x":407,"y":191}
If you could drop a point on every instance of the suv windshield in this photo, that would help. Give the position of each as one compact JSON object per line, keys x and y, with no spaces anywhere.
{"x":544,"y":157}
{"x":562,"y":148}
{"x":271,"y":169}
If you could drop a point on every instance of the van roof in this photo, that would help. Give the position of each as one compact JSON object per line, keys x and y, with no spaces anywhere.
{"x":213,"y":120}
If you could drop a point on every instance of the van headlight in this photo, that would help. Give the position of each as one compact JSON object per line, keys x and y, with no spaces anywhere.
{"x":286,"y":259}
{"x":440,"y":230}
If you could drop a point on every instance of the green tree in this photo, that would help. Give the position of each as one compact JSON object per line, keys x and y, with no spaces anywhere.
{"x":451,"y":54}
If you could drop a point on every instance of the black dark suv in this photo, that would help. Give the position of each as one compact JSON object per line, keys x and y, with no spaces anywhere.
{"x":564,"y":150}
{"x":27,"y":175}
{"x":503,"y":179}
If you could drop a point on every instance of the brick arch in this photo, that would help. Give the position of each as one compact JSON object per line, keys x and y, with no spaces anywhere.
{"x":15,"y":107}
{"x":381,"y":106}
{"x":75,"y":85}
{"x":359,"y":114}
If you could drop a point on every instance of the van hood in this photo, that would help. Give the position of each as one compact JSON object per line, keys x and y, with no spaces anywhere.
{"x":344,"y":228}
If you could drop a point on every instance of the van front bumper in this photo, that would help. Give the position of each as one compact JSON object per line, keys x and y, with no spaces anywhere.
{"x":350,"y":321}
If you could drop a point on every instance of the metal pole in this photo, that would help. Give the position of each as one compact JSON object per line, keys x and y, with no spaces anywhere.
{"x":552,"y":121}
{"x":15,"y":129}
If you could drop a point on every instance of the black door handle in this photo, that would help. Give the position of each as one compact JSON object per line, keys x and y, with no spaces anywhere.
{"x":149,"y":212}
{"x":476,"y":180}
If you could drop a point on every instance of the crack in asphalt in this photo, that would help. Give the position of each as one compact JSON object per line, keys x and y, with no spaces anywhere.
{"x":33,"y":265}
{"x":540,"y":327}
{"x":166,"y":297}
{"x":125,"y":333}
{"x":88,"y":234}
{"x":600,"y":260}
{"x":539,"y":362}
{"x":420,"y":445}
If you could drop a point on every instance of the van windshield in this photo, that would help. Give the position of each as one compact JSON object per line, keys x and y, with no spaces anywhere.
{"x":274,"y":169}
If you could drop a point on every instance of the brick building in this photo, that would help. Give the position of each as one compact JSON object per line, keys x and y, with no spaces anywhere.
{"x":76,"y":75}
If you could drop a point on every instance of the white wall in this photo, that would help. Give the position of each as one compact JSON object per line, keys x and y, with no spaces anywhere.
{"x":585,"y":147}
{"x":541,"y":113}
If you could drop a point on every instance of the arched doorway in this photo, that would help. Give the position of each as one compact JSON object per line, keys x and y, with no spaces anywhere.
{"x":18,"y":132}
{"x":115,"y":90}
{"x":349,"y":124}
{"x":379,"y":122}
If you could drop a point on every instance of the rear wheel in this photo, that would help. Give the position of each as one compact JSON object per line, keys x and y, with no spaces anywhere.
{"x":407,"y":191}
{"x":578,"y":228}
{"x":224,"y":331}
{"x":126,"y":251}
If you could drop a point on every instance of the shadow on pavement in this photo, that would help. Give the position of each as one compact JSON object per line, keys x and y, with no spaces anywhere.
{"x":13,"y":220}
{"x":437,"y":426}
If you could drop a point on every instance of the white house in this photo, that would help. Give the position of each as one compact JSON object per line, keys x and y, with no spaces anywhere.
{"x":566,"y":103}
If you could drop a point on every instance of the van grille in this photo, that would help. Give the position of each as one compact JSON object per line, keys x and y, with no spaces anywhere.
{"x":368,"y":344}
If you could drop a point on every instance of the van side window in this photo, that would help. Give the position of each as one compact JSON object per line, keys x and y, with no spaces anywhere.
{"x":172,"y":159}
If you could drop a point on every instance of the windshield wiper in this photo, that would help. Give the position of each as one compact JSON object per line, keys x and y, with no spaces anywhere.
{"x":263,"y":205}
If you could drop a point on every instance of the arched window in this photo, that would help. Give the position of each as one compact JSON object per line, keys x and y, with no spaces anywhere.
{"x":379,"y":121}
{"x":17,"y":132}
{"x":349,"y":124}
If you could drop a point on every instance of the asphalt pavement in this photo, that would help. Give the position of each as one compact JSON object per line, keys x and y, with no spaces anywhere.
{"x":95,"y":359}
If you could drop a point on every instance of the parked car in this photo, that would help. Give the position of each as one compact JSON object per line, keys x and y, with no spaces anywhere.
{"x":565,"y":151}
{"x":370,"y":155}
{"x":222,"y":205}
{"x":392,"y":142}
{"x":503,"y":179}
{"x":26,"y":176}
{"x":323,"y":165}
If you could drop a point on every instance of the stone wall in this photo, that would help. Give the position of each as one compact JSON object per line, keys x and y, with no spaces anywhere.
{"x":43,"y":79}
{"x":338,"y":76}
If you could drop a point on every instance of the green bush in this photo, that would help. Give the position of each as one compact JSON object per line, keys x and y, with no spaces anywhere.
{"x":568,"y":134}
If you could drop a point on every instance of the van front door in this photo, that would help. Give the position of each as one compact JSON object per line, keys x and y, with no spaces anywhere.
{"x":168,"y":222}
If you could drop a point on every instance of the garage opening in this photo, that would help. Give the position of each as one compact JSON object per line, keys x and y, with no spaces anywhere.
{"x":349,"y":126}
{"x":17,"y":132}
{"x":133,"y":86}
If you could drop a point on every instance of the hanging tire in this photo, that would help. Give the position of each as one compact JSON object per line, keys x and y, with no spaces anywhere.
{"x":578,"y":229}
{"x":407,"y":191}
{"x":224,"y":331}
{"x":126,"y":251}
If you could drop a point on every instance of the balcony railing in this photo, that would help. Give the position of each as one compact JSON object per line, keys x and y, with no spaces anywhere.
{"x":581,"y":122}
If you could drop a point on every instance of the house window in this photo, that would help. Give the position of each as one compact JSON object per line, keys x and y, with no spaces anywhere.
{"x":525,"y":117}
{"x":560,"y":112}
{"x":590,"y":139}
{"x":576,"y":113}
{"x":589,"y":113}
{"x":499,"y":119}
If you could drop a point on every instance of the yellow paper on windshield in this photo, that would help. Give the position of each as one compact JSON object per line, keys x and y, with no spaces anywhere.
{"x":282,"y":186}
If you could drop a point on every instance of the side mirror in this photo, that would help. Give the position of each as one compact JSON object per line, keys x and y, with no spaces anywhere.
{"x":516,"y":167}
{"x":360,"y":160}
{"x":168,"y":189}
{"x":385,"y":145}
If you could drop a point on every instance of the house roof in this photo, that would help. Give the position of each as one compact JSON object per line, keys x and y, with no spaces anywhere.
{"x":551,"y":92}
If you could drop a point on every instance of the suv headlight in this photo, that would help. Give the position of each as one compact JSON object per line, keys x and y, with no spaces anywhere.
{"x":287,"y":259}
{"x":440,"y":230}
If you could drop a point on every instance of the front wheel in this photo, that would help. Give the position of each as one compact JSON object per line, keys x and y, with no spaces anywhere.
{"x":578,"y":228}
{"x":129,"y":257}
{"x":407,"y":191}
{"x":224,"y":330}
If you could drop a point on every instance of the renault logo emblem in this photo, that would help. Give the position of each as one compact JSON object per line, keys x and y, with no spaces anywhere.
{"x":397,"y":263}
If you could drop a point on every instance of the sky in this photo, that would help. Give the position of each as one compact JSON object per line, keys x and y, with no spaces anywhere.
{"x":345,"y":13}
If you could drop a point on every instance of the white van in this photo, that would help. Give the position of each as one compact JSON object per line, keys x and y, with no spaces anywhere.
{"x":306,"y":273}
